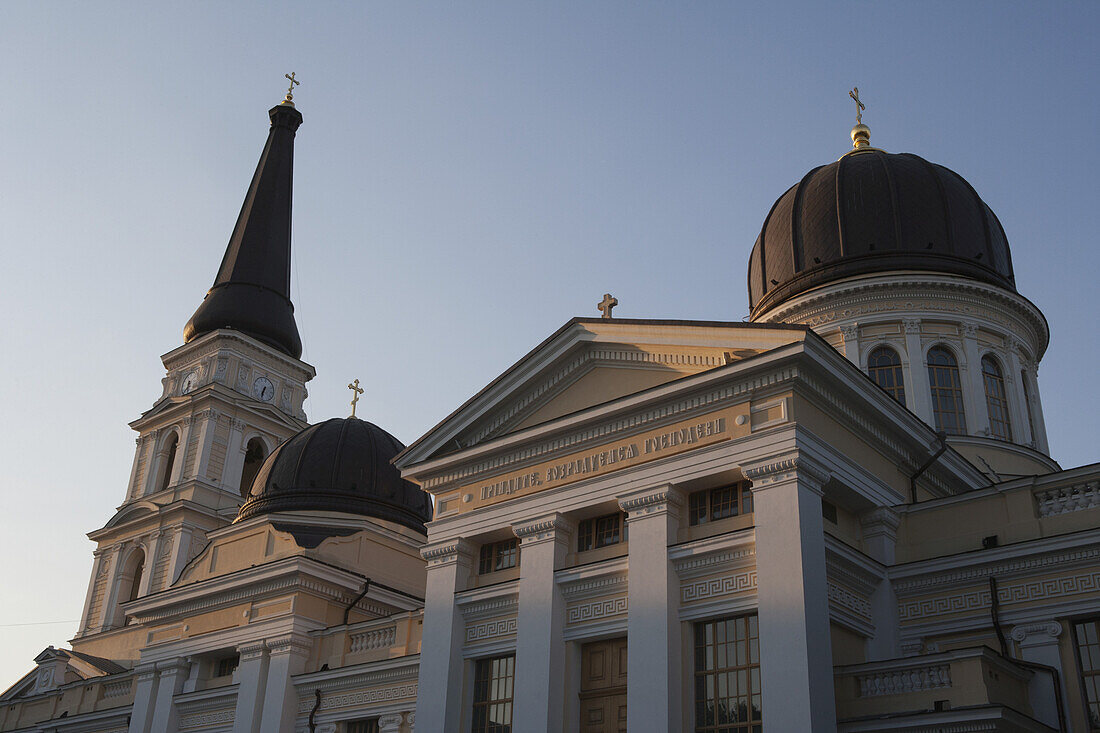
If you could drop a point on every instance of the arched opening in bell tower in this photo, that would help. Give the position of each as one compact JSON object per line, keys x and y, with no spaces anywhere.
{"x":254,"y":455}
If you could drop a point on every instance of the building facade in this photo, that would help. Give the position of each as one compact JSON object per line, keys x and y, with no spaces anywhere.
{"x":838,"y":516}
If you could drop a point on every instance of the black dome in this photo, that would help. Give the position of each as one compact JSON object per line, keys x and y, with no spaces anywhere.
{"x":873,"y":212}
{"x":340,"y":465}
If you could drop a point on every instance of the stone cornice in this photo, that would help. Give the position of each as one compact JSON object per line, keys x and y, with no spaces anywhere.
{"x":367,"y":674}
{"x":541,"y":529}
{"x":658,"y":500}
{"x":784,"y":468}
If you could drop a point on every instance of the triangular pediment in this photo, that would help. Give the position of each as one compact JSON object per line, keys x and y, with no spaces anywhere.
{"x":590,"y":362}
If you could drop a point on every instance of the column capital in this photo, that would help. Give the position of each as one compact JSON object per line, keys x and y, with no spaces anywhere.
{"x":389,"y":723}
{"x":553,"y":526}
{"x":664,"y":499}
{"x":912,"y":325}
{"x":446,"y":552}
{"x":784,"y":469}
{"x":1037,"y":633}
{"x":880,"y":522}
{"x":289,"y":644}
{"x":173,"y":667}
{"x":410,"y":720}
{"x":970,"y":330}
{"x":145,"y":672}
{"x":850,"y":331}
{"x":251,"y":650}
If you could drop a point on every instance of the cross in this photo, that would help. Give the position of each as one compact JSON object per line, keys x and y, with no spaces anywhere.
{"x":293,"y":83}
{"x":356,"y":391}
{"x":607,"y":304}
{"x":854,"y":94}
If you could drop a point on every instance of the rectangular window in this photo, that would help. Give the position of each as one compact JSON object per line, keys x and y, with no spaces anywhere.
{"x":597,"y":532}
{"x":493,"y":682}
{"x":498,"y":556}
{"x":1087,"y":636}
{"x":727,"y":675}
{"x":226,"y":665}
{"x":711,"y":505}
{"x":361,"y":726}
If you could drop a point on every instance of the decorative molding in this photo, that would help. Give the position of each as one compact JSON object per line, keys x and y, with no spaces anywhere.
{"x":904,"y":681}
{"x":600,"y":585}
{"x":595,"y":610}
{"x":693,"y":565}
{"x":880,"y":522}
{"x":117,"y":689}
{"x":911,"y":325}
{"x":206,"y":720}
{"x":1065,"y":499}
{"x":328,"y":684}
{"x":490,"y":606}
{"x":724,"y":585}
{"x":644,"y":502}
{"x":290,"y":644}
{"x":1043,"y":589}
{"x":1010,"y":566}
{"x":447,"y":552}
{"x":361,"y":698}
{"x":849,"y":600}
{"x":491,"y":629}
{"x":784,"y":469}
{"x":373,"y":639}
{"x":389,"y":723}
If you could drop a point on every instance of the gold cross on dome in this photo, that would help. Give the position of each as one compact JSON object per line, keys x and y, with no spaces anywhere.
{"x":854,"y":94}
{"x":607,"y":304}
{"x":293,"y":83}
{"x":356,"y":391}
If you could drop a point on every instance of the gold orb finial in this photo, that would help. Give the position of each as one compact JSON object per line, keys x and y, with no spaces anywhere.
{"x":861,"y":134}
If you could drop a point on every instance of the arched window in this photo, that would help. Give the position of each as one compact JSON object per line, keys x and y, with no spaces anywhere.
{"x":254,"y":456}
{"x":168,"y":459}
{"x":884,"y":368}
{"x":138,"y":565}
{"x":947,"y":398}
{"x":995,"y":399}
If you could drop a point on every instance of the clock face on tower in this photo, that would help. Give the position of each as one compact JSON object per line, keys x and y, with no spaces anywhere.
{"x":189,"y":382}
{"x":263,"y":389}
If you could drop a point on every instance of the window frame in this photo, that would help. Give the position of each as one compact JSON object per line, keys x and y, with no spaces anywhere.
{"x":996,"y":399}
{"x":702,"y":503}
{"x":595,"y":533}
{"x":895,"y":370}
{"x":1083,"y":676}
{"x":952,"y":391}
{"x":706,"y":680}
{"x":493,"y":554}
{"x":486,"y":680}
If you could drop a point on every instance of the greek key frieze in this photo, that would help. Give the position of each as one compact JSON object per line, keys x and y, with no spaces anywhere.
{"x":723,"y":585}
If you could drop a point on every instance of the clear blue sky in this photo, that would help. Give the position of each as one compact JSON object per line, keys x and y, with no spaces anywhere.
{"x":470,"y":176}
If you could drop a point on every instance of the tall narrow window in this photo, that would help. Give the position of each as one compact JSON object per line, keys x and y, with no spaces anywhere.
{"x":254,"y":455}
{"x":999,"y":425}
{"x":138,"y":564}
{"x":947,"y":398}
{"x":727,"y":676}
{"x":1030,"y":414}
{"x":493,"y":682}
{"x":168,"y":460}
{"x":884,"y":368}
{"x":1087,"y":636}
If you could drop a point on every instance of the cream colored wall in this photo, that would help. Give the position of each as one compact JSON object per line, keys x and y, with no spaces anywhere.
{"x":88,"y":696}
{"x":848,"y":646}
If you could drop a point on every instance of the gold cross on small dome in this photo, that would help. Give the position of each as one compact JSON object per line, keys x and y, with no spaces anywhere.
{"x":293,"y":83}
{"x":356,"y":391}
{"x":854,"y":94}
{"x":607,"y":304}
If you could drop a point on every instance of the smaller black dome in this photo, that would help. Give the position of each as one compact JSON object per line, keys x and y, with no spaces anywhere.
{"x":340,"y":465}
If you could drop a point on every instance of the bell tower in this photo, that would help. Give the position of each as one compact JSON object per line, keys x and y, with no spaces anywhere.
{"x":231,"y":393}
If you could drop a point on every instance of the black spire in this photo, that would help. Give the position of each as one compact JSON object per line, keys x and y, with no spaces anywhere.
{"x":251,"y":293}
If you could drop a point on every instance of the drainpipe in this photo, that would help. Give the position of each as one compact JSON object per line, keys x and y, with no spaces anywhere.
{"x":942,"y":437}
{"x":347,"y":611}
{"x":313,"y":712}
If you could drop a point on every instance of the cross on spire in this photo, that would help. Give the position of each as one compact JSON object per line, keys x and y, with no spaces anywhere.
{"x":607,"y":304}
{"x":854,"y":94}
{"x":356,"y":391}
{"x":293,"y":83}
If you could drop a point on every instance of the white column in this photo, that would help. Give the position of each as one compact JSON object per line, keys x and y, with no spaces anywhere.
{"x":1014,"y":389}
{"x":540,"y":649}
{"x":180,"y":466}
{"x":132,"y":491}
{"x":152,"y":552}
{"x":207,"y":427}
{"x":251,"y":680}
{"x":917,"y":390}
{"x":880,"y":535}
{"x":287,"y":656}
{"x":977,"y":411}
{"x":145,"y":481}
{"x":110,"y":595}
{"x":389,"y":723}
{"x":796,"y":664}
{"x":1032,"y":374}
{"x":850,"y":334}
{"x":234,"y":457}
{"x":1039,"y":643}
{"x":170,"y":683}
{"x":439,"y":704}
{"x":654,"y":667}
{"x":97,"y":563}
{"x":141,"y":715}
{"x":180,"y":554}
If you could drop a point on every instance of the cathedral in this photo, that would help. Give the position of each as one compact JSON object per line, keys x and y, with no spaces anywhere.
{"x":838,"y":515}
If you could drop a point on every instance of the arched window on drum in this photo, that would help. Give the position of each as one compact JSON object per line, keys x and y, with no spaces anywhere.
{"x":884,"y":368}
{"x":995,"y":399}
{"x":946,"y":387}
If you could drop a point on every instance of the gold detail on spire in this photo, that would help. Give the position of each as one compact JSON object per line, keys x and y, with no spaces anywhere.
{"x":861,"y":134}
{"x":355,"y":389}
{"x":290,"y":92}
{"x":609,"y":301}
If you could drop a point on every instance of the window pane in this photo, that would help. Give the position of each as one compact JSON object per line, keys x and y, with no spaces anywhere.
{"x":493,"y":695}
{"x":946,"y":387}
{"x":884,"y":368}
{"x":727,"y":674}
